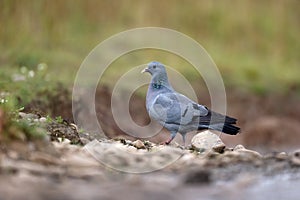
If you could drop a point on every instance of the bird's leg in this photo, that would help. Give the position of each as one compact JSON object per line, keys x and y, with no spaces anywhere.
{"x":173,"y":134}
{"x":183,"y":139}
{"x":168,"y":141}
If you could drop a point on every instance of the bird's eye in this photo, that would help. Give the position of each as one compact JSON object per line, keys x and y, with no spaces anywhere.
{"x":154,"y":66}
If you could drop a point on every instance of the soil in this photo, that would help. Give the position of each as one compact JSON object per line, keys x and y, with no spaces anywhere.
{"x":268,"y":122}
{"x":59,"y":169}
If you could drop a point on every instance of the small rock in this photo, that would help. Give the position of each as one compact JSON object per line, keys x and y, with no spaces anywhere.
{"x":207,"y":140}
{"x":84,"y":141}
{"x":246,"y":154}
{"x":59,"y":139}
{"x":28,"y":116}
{"x":22,"y":115}
{"x":128,"y":142}
{"x":138,"y":144}
{"x":123,"y":141}
{"x":219,"y":148}
{"x":238,"y":147}
{"x":43,"y":119}
{"x":249,"y":155}
{"x":231,"y":154}
{"x":241,"y":155}
{"x":148,"y":144}
{"x":66,"y":141}
{"x":187,"y":158}
{"x":280,"y":156}
{"x":295,"y":158}
{"x":73,"y":126}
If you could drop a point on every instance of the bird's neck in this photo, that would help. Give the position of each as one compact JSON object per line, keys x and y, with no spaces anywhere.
{"x":159,"y":81}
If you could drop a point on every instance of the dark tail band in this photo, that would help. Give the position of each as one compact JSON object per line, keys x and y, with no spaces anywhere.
{"x":219,"y":122}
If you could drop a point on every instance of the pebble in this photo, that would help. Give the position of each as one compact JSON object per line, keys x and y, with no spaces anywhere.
{"x":280,"y":156}
{"x":66,"y":141}
{"x":28,"y":116}
{"x":84,"y":140}
{"x":241,"y":155}
{"x":207,"y":140}
{"x":238,"y":147}
{"x":250,"y":153}
{"x":219,"y":148}
{"x":139,"y":144}
{"x":73,"y":126}
{"x":295,"y":158}
{"x":43,"y":119}
{"x":187,"y":157}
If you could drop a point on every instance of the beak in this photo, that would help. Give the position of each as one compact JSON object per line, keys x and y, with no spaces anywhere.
{"x":145,"y":70}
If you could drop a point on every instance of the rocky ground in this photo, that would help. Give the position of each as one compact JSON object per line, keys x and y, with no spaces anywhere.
{"x":265,"y":125}
{"x":73,"y":165}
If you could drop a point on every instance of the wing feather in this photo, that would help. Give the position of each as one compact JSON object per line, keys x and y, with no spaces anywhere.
{"x":174,"y":108}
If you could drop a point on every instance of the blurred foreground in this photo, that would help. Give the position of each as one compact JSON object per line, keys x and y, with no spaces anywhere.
{"x":61,"y":170}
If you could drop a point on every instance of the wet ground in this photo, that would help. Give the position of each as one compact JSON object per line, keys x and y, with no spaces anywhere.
{"x":68,"y":171}
{"x":138,"y":187}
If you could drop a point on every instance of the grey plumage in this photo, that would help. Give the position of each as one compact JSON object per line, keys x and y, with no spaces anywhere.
{"x":176,"y":112}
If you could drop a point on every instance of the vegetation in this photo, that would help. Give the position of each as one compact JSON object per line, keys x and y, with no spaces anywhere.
{"x":24,"y":84}
{"x":12,"y":127}
{"x":254,"y":43}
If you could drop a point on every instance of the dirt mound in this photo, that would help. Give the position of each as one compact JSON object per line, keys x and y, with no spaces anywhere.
{"x":269,"y":121}
{"x":277,"y":133}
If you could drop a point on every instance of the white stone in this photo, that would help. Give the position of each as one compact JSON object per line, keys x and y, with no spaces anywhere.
{"x":138,"y":144}
{"x":207,"y":140}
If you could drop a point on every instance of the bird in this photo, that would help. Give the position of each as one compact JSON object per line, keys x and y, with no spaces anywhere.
{"x":178,"y":113}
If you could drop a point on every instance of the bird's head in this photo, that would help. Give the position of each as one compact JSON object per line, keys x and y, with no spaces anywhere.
{"x":154,"y":68}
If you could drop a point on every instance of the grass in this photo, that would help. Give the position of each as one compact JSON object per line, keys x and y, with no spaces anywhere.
{"x":254,"y":43}
{"x":24,"y":84}
{"x":14,"y":128}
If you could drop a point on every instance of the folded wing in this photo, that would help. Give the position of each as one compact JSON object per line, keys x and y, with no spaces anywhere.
{"x":174,"y":108}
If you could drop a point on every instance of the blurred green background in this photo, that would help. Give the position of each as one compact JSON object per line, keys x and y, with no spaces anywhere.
{"x":254,"y":43}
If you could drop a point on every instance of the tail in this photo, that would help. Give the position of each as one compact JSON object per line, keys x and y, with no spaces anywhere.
{"x":218,"y":122}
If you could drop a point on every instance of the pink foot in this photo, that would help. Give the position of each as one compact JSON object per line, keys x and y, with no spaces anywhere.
{"x":166,"y":143}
